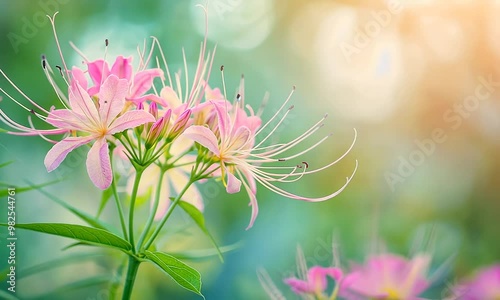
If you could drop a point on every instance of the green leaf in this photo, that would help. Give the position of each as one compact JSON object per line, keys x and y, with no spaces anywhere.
{"x":6,"y":163}
{"x":7,"y":295}
{"x":59,"y":262}
{"x":5,"y":193}
{"x":91,"y":235}
{"x":205,"y":253}
{"x":199,"y":219}
{"x":87,"y":218}
{"x":106,"y":195}
{"x":181,"y":273}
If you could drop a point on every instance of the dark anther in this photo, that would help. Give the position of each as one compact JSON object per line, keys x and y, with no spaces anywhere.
{"x":106,"y":42}
{"x":32,"y":111}
{"x":60,"y":70}
{"x":306,"y":164}
{"x":238,"y":97}
{"x":44,"y":63}
{"x":105,"y":101}
{"x":222,"y":68}
{"x":281,"y":159}
{"x":299,"y":166}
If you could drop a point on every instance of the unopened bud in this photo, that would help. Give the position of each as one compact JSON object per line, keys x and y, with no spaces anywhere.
{"x":155,"y":133}
{"x":153,"y":109}
{"x":180,"y":124}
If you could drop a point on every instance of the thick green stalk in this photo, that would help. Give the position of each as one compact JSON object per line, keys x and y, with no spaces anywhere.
{"x":133,"y":267}
{"x":138,"y":176}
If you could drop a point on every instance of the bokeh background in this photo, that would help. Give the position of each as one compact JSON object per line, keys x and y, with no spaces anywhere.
{"x":417,"y":79}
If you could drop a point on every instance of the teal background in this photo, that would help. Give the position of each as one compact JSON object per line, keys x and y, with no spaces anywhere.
{"x":396,"y":91}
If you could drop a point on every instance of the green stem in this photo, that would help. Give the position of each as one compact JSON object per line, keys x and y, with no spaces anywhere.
{"x":153,"y":211}
{"x":119,"y":206}
{"x":167,"y":215}
{"x":133,"y":267}
{"x":138,"y":175}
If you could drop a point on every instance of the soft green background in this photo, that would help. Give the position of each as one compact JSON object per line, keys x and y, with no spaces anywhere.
{"x":395,"y":91}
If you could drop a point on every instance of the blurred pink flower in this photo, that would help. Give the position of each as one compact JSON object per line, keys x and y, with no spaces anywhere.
{"x":387,"y":276}
{"x":484,"y":285}
{"x":97,"y":122}
{"x":316,"y":282}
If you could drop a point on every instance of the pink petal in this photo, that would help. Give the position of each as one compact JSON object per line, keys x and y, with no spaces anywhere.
{"x":224,"y":122}
{"x":99,"y":164}
{"x":170,"y":97}
{"x":78,"y":75}
{"x":240,"y":139}
{"x":204,"y":137}
{"x":81,"y":103}
{"x":233,"y":183}
{"x":60,"y":150}
{"x":130,"y":119}
{"x":98,"y":70}
{"x":299,"y":286}
{"x":67,"y":119}
{"x":143,"y":82}
{"x":112,"y":98}
{"x":122,"y":67}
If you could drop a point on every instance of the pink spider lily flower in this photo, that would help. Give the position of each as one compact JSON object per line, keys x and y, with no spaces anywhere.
{"x":230,"y":138}
{"x":484,"y":285}
{"x":95,"y":122}
{"x":388,"y":276}
{"x":316,"y":281}
{"x":138,"y":83}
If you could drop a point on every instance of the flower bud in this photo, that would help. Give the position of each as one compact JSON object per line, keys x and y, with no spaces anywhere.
{"x":158,"y":130}
{"x":179,"y":125}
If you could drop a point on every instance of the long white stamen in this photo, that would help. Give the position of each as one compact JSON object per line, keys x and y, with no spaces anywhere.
{"x":52,"y":21}
{"x":79,"y":52}
{"x":186,"y":75}
{"x":155,"y":40}
{"x":39,"y":134}
{"x":275,"y":127}
{"x":279,"y":110}
{"x":23,"y":94}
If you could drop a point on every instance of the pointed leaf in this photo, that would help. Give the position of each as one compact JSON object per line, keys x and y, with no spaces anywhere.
{"x":199,"y":219}
{"x":91,"y":235}
{"x":4,"y":193}
{"x":106,"y":195}
{"x":59,"y":262}
{"x":181,"y":273}
{"x":205,"y":253}
{"x":6,"y":163}
{"x":87,"y":218}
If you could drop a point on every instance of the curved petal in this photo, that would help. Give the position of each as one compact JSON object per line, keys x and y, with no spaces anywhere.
{"x":299,"y":286}
{"x":99,"y":164}
{"x":170,"y":97}
{"x":224,"y":122}
{"x":67,"y":119}
{"x":122,"y":67}
{"x":60,"y":150}
{"x":112,"y":98}
{"x":78,"y":75}
{"x":233,"y":183}
{"x":98,"y":69}
{"x":143,"y":81}
{"x":81,"y":103}
{"x":240,"y":139}
{"x":204,"y":137}
{"x":130,"y":119}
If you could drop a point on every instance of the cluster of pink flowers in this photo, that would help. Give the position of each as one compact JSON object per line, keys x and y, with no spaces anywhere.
{"x":383,"y":276}
{"x":165,"y":126}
